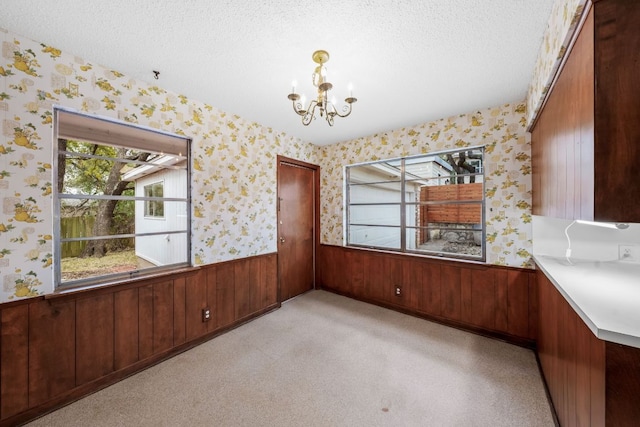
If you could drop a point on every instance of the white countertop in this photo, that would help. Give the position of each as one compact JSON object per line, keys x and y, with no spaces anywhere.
{"x":606,"y":295}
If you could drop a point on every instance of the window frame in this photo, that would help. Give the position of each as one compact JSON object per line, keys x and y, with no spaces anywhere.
{"x":141,"y":136}
{"x":403,"y":227}
{"x":149,"y":203}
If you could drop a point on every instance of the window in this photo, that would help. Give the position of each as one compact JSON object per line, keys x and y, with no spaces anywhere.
{"x":431,"y":204}
{"x":154,"y":208}
{"x":114,"y":181}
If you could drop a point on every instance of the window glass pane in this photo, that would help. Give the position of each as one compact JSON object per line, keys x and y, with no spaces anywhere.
{"x":106,"y":228}
{"x":382,"y":237}
{"x":375,"y":172}
{"x":441,"y":199}
{"x":84,"y":175}
{"x":381,"y":192}
{"x":175,"y":218}
{"x":375,"y":183}
{"x":428,"y":170}
{"x":119,"y":258}
{"x":375,"y":215}
{"x":78,"y":218}
{"x":153,"y":190}
{"x":124,"y":255}
{"x":444,"y":213}
{"x":464,"y":167}
{"x":90,"y":169}
{"x":163,"y":249}
{"x":154,"y":208}
{"x":466,"y":242}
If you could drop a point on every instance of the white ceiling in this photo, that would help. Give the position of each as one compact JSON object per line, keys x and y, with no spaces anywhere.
{"x":409,"y":61}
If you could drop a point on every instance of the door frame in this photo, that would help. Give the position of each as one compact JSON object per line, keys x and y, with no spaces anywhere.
{"x":316,"y":213}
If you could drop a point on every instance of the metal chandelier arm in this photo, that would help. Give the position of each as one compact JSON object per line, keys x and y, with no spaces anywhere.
{"x":297,"y":106}
{"x":346,"y":109}
{"x":330,"y":117}
{"x":310,"y":113}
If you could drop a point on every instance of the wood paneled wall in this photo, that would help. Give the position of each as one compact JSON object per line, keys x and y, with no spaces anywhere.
{"x":590,"y":381}
{"x":492,"y":300}
{"x":57,"y":349}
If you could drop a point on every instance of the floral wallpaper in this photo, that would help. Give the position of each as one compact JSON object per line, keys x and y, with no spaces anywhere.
{"x":234,"y":160}
{"x":564,"y":19}
{"x":507,"y":173}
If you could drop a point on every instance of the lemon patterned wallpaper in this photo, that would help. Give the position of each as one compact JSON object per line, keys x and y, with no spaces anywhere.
{"x":234,"y":160}
{"x":564,"y":19}
{"x":507,"y":173}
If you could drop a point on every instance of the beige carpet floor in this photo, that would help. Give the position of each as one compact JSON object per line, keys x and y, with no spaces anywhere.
{"x":326,"y":360}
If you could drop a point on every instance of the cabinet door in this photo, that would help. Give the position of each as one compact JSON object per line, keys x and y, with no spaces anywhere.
{"x":562,"y":140}
{"x":572,"y":360}
{"x":617,"y":108}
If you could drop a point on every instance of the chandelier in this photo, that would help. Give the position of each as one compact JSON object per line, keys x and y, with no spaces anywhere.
{"x":326,"y":108}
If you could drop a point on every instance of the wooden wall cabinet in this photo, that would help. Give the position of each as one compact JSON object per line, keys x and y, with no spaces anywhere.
{"x":585,"y":146}
{"x":58,"y":349}
{"x":492,"y":300}
{"x":590,"y":381}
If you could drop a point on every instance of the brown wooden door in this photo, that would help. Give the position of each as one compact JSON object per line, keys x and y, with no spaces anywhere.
{"x":297,"y":194}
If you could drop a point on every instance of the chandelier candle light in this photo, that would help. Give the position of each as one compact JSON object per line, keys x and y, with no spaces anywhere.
{"x":327,"y":109}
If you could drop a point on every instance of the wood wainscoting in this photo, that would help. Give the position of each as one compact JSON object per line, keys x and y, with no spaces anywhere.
{"x":59,"y":348}
{"x":497,"y":301}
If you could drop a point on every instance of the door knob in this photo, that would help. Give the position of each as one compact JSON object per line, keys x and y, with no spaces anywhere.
{"x":282,"y":240}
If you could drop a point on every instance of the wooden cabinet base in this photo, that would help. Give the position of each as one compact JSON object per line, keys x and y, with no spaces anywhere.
{"x":590,"y":381}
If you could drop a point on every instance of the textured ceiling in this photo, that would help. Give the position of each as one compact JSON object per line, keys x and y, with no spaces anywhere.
{"x":409,"y":61}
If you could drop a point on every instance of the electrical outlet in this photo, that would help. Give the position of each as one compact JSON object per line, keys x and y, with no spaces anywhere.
{"x":628,"y":253}
{"x":206,"y":314}
{"x":398,"y":291}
